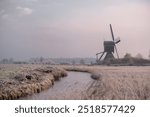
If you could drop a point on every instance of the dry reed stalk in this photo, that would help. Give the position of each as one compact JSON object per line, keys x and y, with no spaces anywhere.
{"x":28,"y":82}
{"x":116,"y":82}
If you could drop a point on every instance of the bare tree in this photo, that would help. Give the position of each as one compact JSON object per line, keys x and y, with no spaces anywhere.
{"x":82,"y":62}
{"x":73,"y":62}
{"x":41,"y":59}
{"x":127,"y":55}
{"x":5,"y":61}
{"x":139,"y":56}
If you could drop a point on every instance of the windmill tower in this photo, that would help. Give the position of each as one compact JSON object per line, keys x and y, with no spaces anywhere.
{"x":109,"y":49}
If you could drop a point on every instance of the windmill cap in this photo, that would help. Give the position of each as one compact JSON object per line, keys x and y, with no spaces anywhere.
{"x":109,"y":43}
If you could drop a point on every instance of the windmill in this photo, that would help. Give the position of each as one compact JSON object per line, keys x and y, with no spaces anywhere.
{"x":109,"y":48}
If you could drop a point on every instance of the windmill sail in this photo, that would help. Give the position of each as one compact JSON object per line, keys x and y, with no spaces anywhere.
{"x":112,"y":34}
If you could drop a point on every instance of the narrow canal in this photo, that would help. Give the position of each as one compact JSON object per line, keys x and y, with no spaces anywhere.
{"x":71,"y":87}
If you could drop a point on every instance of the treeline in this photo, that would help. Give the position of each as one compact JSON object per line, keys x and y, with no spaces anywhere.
{"x":42,"y":60}
{"x":129,"y":60}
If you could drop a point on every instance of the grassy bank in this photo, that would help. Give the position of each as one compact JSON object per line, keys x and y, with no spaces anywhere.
{"x":116,"y":83}
{"x":27,"y":79}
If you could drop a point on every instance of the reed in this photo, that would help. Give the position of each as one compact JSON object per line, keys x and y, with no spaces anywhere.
{"x":29,"y":81}
{"x":116,"y":83}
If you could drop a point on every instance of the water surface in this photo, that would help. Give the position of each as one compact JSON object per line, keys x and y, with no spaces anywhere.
{"x":70,"y":87}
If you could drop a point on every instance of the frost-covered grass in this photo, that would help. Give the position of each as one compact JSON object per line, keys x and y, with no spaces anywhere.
{"x":22,"y":80}
{"x":9,"y":70}
{"x":124,"y":82}
{"x":120,"y":82}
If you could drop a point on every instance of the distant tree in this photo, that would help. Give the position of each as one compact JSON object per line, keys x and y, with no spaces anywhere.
{"x":139,"y":56}
{"x":129,"y":59}
{"x":34,"y":60}
{"x":82,"y":61}
{"x":11,"y":60}
{"x":73,"y":62}
{"x":41,"y":59}
{"x":5,"y":61}
{"x":127,"y":55}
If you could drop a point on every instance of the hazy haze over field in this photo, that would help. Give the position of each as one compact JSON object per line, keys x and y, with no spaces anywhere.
{"x":72,"y":28}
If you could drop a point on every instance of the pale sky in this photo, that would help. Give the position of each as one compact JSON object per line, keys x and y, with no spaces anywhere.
{"x":72,"y":28}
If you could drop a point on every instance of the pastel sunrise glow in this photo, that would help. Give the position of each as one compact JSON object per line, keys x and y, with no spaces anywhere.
{"x":72,"y":28}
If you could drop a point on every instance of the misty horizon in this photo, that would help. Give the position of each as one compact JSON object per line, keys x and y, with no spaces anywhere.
{"x":72,"y":29}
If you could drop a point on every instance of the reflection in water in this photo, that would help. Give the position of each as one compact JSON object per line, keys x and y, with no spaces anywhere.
{"x":70,"y":87}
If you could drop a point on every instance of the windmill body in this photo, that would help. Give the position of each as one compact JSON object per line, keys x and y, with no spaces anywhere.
{"x":109,"y":49}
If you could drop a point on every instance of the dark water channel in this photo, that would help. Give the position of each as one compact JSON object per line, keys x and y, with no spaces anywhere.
{"x":71,"y":87}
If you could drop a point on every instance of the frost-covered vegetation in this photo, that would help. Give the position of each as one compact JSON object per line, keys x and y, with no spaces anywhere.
{"x":126,"y":82}
{"x":109,"y":82}
{"x":21,"y":80}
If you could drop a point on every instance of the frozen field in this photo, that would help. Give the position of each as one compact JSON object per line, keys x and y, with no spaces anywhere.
{"x":125,"y":82}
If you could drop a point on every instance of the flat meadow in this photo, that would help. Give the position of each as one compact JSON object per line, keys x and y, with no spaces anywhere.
{"x":117,"y":82}
{"x":109,"y":82}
